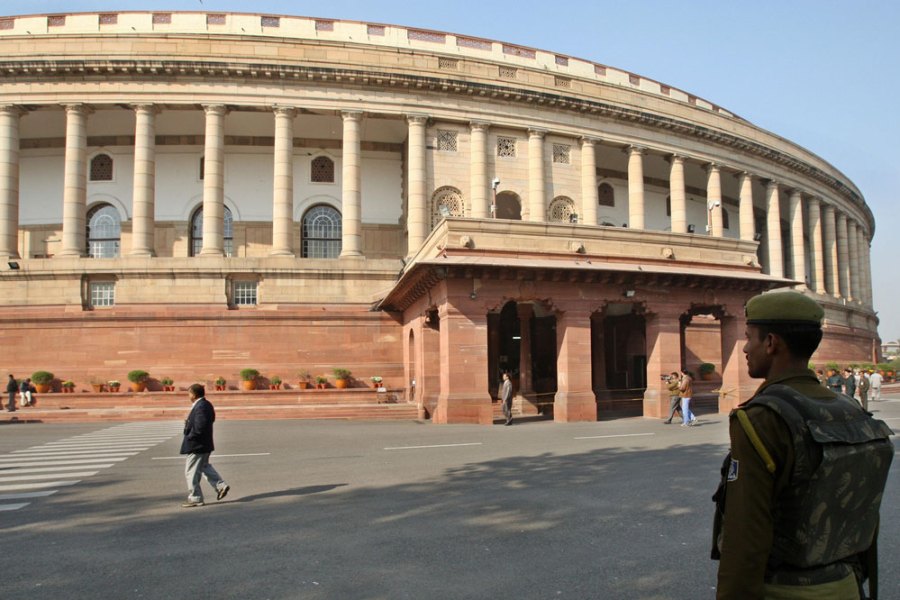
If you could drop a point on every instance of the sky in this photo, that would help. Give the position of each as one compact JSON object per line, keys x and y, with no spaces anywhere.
{"x":824,"y":74}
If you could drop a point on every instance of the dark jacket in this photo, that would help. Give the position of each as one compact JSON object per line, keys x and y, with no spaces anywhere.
{"x":198,"y":428}
{"x":12,"y":386}
{"x":850,"y":385}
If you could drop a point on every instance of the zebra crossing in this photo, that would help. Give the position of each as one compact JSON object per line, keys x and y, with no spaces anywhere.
{"x":40,"y":471}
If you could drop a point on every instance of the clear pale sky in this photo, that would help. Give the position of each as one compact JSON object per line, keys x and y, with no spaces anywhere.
{"x":821,"y":73}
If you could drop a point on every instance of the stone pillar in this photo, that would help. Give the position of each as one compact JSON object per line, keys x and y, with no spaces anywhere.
{"x":798,"y":244}
{"x":832,"y":273}
{"x":574,"y":400}
{"x":663,"y":330}
{"x":214,"y":182}
{"x":865,"y":253}
{"x":589,"y":198}
{"x":636,"y":187}
{"x":283,"y":183}
{"x":818,"y":248}
{"x":843,"y":256}
{"x":464,"y":396}
{"x":75,"y":184}
{"x":537,"y":188}
{"x":714,"y":200}
{"x":143,"y":227}
{"x":747,"y":220}
{"x":479,"y":179}
{"x":737,"y":386}
{"x":351,"y":193}
{"x":773,"y":231}
{"x":417,"y":220}
{"x":9,"y":181}
{"x":525,"y":400}
{"x":677,"y":196}
{"x":853,"y":254}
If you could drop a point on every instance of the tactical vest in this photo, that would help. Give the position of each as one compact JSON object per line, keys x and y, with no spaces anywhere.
{"x":842,"y":458}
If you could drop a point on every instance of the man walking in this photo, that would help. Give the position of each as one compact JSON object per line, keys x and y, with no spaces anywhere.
{"x":11,"y":388}
{"x":198,"y":445}
{"x":506,"y":398}
{"x":875,"y":380}
{"x":797,"y":507}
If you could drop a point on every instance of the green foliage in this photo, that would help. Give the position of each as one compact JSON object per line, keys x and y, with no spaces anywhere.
{"x":707,"y":368}
{"x":138,"y":376}
{"x":833,"y":366}
{"x":166,"y":381}
{"x":320,"y":379}
{"x":220,"y":381}
{"x":304,"y":375}
{"x":275,"y":380}
{"x":42,"y":377}
{"x":341,"y":373}
{"x":249,"y":374}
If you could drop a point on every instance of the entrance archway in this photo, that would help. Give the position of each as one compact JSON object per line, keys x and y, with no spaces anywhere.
{"x":702,"y":352}
{"x":619,"y":348}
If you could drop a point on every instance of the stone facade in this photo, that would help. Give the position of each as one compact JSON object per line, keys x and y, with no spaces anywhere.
{"x":193,"y":194}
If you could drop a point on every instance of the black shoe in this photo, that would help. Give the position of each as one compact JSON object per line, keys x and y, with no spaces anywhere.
{"x":192,"y":503}
{"x":667,"y":422}
{"x":223,"y":492}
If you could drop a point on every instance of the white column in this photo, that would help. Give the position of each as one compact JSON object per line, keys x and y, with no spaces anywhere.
{"x":843,"y":256}
{"x":867,"y":266}
{"x":747,"y":220}
{"x":283,"y":183}
{"x":818,"y":248}
{"x":773,"y":230}
{"x":417,"y":220}
{"x":143,"y":225}
{"x":714,"y":200}
{"x":214,"y":182}
{"x":853,"y":254}
{"x":832,"y":273}
{"x":9,"y":180}
{"x":798,"y":244}
{"x":589,"y":198}
{"x":537,"y":188}
{"x":75,"y":182}
{"x":677,"y":196}
{"x":636,"y":187}
{"x":479,"y":179}
{"x":351,"y":196}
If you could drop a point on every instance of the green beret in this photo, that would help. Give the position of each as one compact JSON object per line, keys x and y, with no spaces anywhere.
{"x":783,"y":307}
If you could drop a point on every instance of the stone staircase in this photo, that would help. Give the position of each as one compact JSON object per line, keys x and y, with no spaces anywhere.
{"x":355,"y":404}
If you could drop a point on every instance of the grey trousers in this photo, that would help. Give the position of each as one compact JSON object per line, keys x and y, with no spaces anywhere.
{"x":195,"y":466}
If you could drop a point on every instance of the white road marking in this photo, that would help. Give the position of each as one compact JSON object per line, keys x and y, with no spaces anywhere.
{"x":23,"y":471}
{"x":32,"y":462}
{"x":47,"y":476}
{"x":52,"y":453}
{"x":25,"y":495}
{"x":434,"y":446}
{"x":6,"y":507}
{"x":621,"y":435}
{"x":73,"y":457}
{"x":182,"y":457}
{"x":36,"y":486}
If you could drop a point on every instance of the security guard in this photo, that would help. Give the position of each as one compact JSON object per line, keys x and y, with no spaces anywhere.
{"x":797,"y":509}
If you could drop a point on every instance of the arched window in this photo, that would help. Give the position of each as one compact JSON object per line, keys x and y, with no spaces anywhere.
{"x":562,"y":210}
{"x":322,"y":170}
{"x":606,"y":196}
{"x":509,"y":206}
{"x":451,"y":200}
{"x":104,"y":232}
{"x":197,"y":232}
{"x":321,"y":232}
{"x":102,"y":168}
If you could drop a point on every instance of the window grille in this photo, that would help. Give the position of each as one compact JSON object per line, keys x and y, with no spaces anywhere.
{"x":450,"y":64}
{"x":562,"y":61}
{"x":245,"y":293}
{"x":450,"y":199}
{"x":103,"y":293}
{"x":508,"y":73}
{"x":215,"y":19}
{"x":600,"y":70}
{"x":270,"y":21}
{"x":322,"y":170}
{"x":324,"y":25}
{"x":425,"y":36}
{"x":375,"y":29}
{"x":466,"y":42}
{"x":7,"y":23}
{"x":563,"y":82}
{"x":606,"y":196}
{"x":162,"y":18}
{"x":197,"y":233}
{"x":561,"y":210}
{"x":56,"y":21}
{"x":102,"y":168}
{"x":446,"y":141}
{"x":518,"y":51}
{"x":506,"y":147}
{"x":109,"y":19}
{"x":321,"y":232}
{"x":561,"y":153}
{"x":104,"y":232}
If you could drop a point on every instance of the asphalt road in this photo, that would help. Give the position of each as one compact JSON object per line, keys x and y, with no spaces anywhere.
{"x":615,"y":509}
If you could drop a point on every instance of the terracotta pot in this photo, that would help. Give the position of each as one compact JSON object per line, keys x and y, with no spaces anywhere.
{"x":706,"y":376}
{"x":248,"y":384}
{"x":321,"y":386}
{"x":98,"y":387}
{"x":303,"y":385}
{"x":275,"y":386}
{"x":139,"y":386}
{"x":340,"y":383}
{"x":220,"y":388}
{"x":42,"y":388}
{"x":114,"y":388}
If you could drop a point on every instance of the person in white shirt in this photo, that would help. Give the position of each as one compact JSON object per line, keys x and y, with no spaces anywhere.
{"x":875,"y":380}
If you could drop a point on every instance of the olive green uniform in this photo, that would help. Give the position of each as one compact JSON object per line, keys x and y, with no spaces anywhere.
{"x":747,"y":528}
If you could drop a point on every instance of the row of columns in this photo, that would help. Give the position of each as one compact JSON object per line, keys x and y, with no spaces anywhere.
{"x":839,"y":246}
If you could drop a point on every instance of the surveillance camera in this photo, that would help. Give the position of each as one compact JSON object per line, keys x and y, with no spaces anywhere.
{"x":495,"y":183}
{"x":718,"y":203}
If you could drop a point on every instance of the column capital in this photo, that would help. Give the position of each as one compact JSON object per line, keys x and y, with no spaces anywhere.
{"x":589,"y":140}
{"x":479,"y":125}
{"x":417,"y":119}
{"x":215,"y":109}
{"x":796,"y":193}
{"x":352,"y":115}
{"x":745,"y":174}
{"x":284,"y":111}
{"x":536,"y":133}
{"x":12,"y":109}
{"x":675,"y":158}
{"x":713,"y":167}
{"x":78,"y":108}
{"x":771,"y":184}
{"x":636,"y":150}
{"x":145,"y":108}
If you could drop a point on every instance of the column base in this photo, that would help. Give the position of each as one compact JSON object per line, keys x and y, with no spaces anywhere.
{"x":287,"y":253}
{"x":212,"y":252}
{"x":463,"y":408}
{"x":351,"y":254}
{"x":656,"y":403}
{"x":525,"y":404}
{"x":142,"y":253}
{"x":569,"y":407}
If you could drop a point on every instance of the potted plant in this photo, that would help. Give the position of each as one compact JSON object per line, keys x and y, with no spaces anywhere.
{"x":321,"y":382}
{"x":42,"y":381}
{"x":304,"y":379}
{"x":220,"y":384}
{"x":113,"y":385}
{"x":248,"y":378}
{"x":706,"y":371}
{"x":341,"y":378}
{"x":138,"y":379}
{"x":275,"y":383}
{"x":97,"y":385}
{"x":167,"y":384}
{"x":68,"y":387}
{"x":376,"y":381}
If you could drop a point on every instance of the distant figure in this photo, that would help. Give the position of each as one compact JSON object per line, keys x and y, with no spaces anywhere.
{"x":506,"y":398}
{"x":673,"y":384}
{"x":835,"y":382}
{"x":11,"y":388}
{"x":862,"y":386}
{"x":875,"y":380}
{"x":849,"y":383}
{"x":820,"y":375}
{"x":198,"y":445}
{"x":686,"y":391}
{"x":25,"y":391}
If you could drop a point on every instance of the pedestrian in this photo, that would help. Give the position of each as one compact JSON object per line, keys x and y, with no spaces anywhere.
{"x":11,"y":388}
{"x":835,"y":381}
{"x":797,"y":507}
{"x":198,"y":445}
{"x":673,"y":383}
{"x":862,"y":388}
{"x":820,"y":375}
{"x":849,"y":383}
{"x":25,"y":392}
{"x":506,"y":398}
{"x":686,"y":391}
{"x":875,"y":380}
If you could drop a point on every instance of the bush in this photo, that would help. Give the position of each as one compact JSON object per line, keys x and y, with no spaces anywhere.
{"x":341,"y":373}
{"x":166,"y":381}
{"x":138,"y":376}
{"x":833,"y":366}
{"x":320,"y":379}
{"x":220,"y":381}
{"x":42,"y":378}
{"x":249,"y":374}
{"x":706,"y":368}
{"x":275,"y":380}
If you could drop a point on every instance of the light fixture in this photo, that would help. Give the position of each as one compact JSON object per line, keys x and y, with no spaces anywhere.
{"x":473,"y":295}
{"x":757,"y":236}
{"x":573,"y":218}
{"x":495,"y":183}
{"x":690,"y":229}
{"x":629,"y":293}
{"x":13,"y":265}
